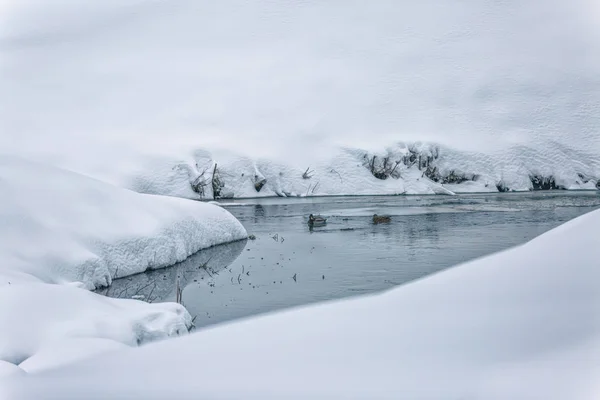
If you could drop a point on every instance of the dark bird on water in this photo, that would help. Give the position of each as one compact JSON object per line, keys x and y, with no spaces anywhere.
{"x":381,"y":219}
{"x":316,"y":220}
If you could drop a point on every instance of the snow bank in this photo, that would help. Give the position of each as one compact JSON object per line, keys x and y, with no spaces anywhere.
{"x":7,"y":369}
{"x":62,"y":233}
{"x":59,"y":227}
{"x":509,"y":88}
{"x":161,"y":285}
{"x":520,"y":324}
{"x":38,"y":319}
{"x":70,"y":349}
{"x":404,"y":168}
{"x":345,"y":172}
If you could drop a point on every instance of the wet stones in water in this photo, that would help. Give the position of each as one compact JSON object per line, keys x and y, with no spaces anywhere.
{"x":251,"y":237}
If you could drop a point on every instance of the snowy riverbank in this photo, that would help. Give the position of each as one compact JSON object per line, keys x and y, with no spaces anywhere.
{"x":62,"y":227}
{"x":153,"y":94}
{"x":63,"y":233}
{"x":405,"y":168}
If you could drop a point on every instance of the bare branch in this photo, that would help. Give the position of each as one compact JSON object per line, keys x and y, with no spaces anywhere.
{"x":307,"y":174}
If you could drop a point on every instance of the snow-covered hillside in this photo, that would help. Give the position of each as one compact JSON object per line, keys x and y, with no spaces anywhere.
{"x":521,"y":324}
{"x":127,"y":90}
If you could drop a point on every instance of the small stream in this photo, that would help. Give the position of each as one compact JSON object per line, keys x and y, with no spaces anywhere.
{"x":291,"y":265}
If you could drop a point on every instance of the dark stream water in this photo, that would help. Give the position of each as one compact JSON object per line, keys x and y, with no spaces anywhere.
{"x":290,"y":265}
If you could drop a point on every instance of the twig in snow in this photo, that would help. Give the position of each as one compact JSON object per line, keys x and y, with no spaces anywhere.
{"x":315,"y":187}
{"x":338,"y":174}
{"x":178,"y":293}
{"x":307,"y":174}
{"x":149,"y":297}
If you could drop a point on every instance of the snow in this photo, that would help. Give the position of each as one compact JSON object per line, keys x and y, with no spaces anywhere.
{"x":63,"y":233}
{"x":142,"y":91}
{"x":37,"y":320}
{"x":346,"y":172}
{"x":62,"y":227}
{"x":7,"y":369}
{"x":68,"y":350}
{"x":519,"y":324}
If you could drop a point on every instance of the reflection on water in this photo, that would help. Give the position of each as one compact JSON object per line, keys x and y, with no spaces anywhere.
{"x":159,"y":285}
{"x":290,"y":265}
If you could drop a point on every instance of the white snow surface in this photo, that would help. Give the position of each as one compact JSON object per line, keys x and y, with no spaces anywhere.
{"x":61,"y":227}
{"x":69,"y":349}
{"x":8,"y":368}
{"x":137,"y":87}
{"x":63,"y":233}
{"x":520,"y":324}
{"x":45,"y":324}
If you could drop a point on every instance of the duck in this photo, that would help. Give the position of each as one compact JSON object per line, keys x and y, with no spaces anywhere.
{"x":381,"y":219}
{"x":316,"y":220}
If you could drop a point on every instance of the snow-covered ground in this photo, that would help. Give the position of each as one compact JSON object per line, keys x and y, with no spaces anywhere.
{"x":46,"y":325}
{"x":63,"y":233}
{"x":143,"y":90}
{"x":521,"y":324}
{"x":62,"y":227}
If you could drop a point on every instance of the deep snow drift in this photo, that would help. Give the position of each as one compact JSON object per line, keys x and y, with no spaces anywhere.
{"x":520,"y":324}
{"x":509,"y":90}
{"x":63,"y":233}
{"x":46,"y":325}
{"x":58,"y":227}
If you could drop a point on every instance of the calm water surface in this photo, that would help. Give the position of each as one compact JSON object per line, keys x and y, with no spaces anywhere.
{"x":290,"y":265}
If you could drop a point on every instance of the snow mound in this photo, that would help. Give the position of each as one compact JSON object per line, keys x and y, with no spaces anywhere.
{"x":63,"y":233}
{"x":61,"y":227}
{"x":70,"y":349}
{"x":519,"y":324}
{"x":35,"y":317}
{"x":7,"y":369}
